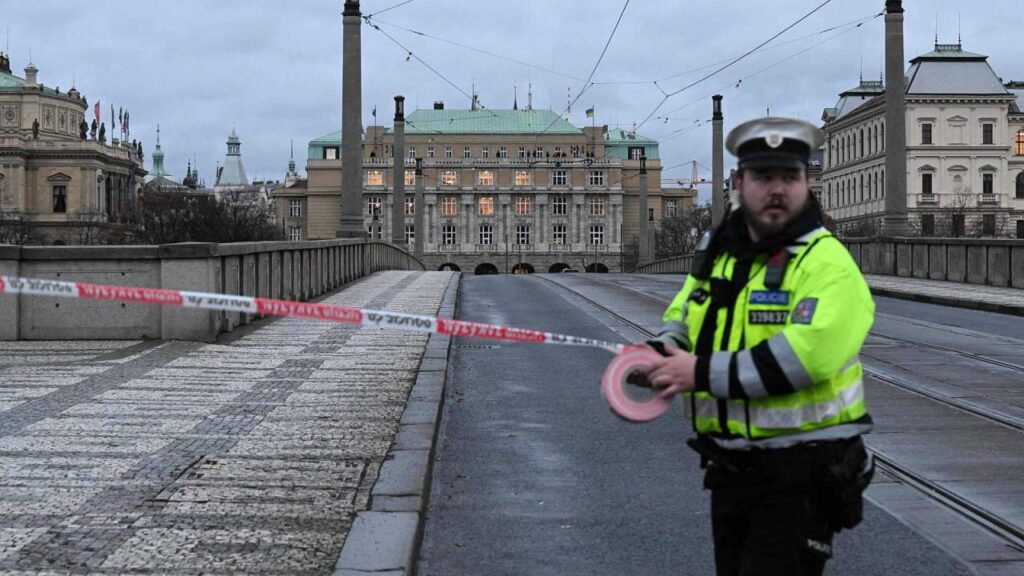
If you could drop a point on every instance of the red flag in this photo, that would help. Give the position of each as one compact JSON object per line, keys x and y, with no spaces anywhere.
{"x":96,"y":111}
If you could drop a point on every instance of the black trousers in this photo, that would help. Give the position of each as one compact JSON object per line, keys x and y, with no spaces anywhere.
{"x":773,"y":512}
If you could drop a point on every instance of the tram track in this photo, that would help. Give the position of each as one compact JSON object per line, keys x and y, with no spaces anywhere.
{"x":1000,"y":527}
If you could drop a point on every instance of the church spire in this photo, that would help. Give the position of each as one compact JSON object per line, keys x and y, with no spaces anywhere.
{"x":158,"y":158}
{"x":291,"y":163}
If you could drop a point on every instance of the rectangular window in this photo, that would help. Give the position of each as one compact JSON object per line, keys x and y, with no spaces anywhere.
{"x":558,"y":206}
{"x":411,"y":153}
{"x":449,"y":178}
{"x":558,"y":152}
{"x":503,"y":152}
{"x":986,"y":133}
{"x":596,"y":206}
{"x":558,"y":178}
{"x":485,"y":206}
{"x":430,"y":151}
{"x":449,"y":205}
{"x":926,"y":133}
{"x":295,"y":234}
{"x":485,"y":152}
{"x":330,"y":153}
{"x":636,"y":152}
{"x":595,"y":178}
{"x":486,"y":234}
{"x":447,"y":151}
{"x":558,"y":234}
{"x":958,"y":225}
{"x":465,"y":152}
{"x":988,"y":224}
{"x":485,"y":178}
{"x":671,"y":208}
{"x":295,"y":208}
{"x":650,"y":214}
{"x":575,"y":151}
{"x":926,"y":184}
{"x":374,"y":204}
{"x":986,"y":183}
{"x":928,"y":225}
{"x":1020,"y":228}
{"x":1020,"y":143}
{"x":522,"y":234}
{"x":522,"y":151}
{"x":597,"y":234}
{"x":410,"y":206}
{"x":374,"y":178}
{"x":522,"y":178}
{"x":448,"y":234}
{"x":538,"y":152}
{"x":410,"y":177}
{"x":410,"y":234}
{"x":522,"y":205}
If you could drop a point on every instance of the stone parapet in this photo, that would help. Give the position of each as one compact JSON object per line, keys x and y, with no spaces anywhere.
{"x":288,"y":270}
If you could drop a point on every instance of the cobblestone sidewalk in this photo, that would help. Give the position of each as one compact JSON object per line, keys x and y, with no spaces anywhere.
{"x":187,"y":458}
{"x":993,"y":298}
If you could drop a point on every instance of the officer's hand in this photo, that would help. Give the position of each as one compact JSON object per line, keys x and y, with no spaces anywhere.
{"x":674,"y":373}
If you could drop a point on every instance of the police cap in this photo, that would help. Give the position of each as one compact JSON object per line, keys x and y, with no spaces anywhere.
{"x":774,"y":142}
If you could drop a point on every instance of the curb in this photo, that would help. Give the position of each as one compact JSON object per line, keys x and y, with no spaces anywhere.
{"x":949,"y":301}
{"x":384,"y":540}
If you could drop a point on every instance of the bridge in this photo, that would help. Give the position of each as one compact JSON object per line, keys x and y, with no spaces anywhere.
{"x":289,"y":445}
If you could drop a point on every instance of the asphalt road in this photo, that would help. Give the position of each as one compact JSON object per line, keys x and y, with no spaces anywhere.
{"x":534,"y":475}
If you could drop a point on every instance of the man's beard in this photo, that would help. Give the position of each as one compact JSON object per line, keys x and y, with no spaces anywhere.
{"x":765,"y":230}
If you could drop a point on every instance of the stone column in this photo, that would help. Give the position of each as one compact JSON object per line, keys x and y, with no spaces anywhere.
{"x":418,"y":218}
{"x":398,"y":186}
{"x":895,"y":222}
{"x":717,"y":162}
{"x":351,"y":223}
{"x":645,"y":244}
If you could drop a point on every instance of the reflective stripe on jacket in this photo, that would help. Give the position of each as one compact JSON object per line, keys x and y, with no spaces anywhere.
{"x":778,"y":361}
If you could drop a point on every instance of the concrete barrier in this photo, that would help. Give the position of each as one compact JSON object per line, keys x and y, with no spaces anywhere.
{"x":289,"y":270}
{"x":992,"y":262}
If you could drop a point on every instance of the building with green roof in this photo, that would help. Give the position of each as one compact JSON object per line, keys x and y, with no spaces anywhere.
{"x":504,"y":190}
{"x":54,"y":172}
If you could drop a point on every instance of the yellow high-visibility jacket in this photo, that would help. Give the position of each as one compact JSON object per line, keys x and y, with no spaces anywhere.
{"x":779,"y":366}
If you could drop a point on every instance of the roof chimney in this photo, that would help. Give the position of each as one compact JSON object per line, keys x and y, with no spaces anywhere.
{"x":438,"y":105}
{"x":30,"y":75}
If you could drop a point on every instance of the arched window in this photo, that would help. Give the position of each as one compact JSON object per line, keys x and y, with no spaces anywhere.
{"x":861,"y":153}
{"x":860,"y":191}
{"x":1020,"y":144}
{"x":1020,"y":185}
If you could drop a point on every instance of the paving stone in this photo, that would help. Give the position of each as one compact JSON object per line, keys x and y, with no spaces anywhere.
{"x":253,"y":456}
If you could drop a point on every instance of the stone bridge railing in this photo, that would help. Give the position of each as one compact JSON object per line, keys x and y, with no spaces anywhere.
{"x":285,"y":270}
{"x":992,"y":262}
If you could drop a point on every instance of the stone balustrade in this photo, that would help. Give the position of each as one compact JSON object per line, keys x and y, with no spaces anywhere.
{"x":284,"y":270}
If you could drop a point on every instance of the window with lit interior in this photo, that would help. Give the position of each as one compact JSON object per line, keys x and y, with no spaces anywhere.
{"x":522,"y":205}
{"x":485,"y":206}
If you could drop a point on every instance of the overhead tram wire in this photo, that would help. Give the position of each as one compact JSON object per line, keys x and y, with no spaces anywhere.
{"x":480,"y":51}
{"x":399,"y":5}
{"x":733,"y":61}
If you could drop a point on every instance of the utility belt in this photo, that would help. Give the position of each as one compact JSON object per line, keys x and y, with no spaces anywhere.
{"x":842,"y":468}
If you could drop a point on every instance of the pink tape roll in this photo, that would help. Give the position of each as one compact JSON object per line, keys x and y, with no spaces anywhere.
{"x":613,"y":385}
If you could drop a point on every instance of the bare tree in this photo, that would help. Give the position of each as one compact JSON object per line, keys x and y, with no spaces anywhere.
{"x":169,"y":217}
{"x":679,"y":234}
{"x":87,"y":226}
{"x":15,"y":227}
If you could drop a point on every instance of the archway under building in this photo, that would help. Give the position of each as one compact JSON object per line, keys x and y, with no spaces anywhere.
{"x":556,"y":268}
{"x":485,"y":268}
{"x":598,"y":268}
{"x":449,"y":267}
{"x":523,"y":268}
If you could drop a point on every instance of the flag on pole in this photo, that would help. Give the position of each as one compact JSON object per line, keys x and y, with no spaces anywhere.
{"x":590,"y":112}
{"x":96,"y":111}
{"x":374,"y":112}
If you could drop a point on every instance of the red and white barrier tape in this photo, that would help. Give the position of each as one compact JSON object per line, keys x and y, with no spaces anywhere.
{"x":613,"y":381}
{"x":267,"y":306}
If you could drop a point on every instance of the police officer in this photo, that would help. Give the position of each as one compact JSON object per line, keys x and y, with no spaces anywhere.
{"x":763,"y":340}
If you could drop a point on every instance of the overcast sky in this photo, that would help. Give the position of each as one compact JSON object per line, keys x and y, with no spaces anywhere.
{"x":271,"y":69}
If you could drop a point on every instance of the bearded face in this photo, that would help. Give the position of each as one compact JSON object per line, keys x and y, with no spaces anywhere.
{"x":771,"y":198}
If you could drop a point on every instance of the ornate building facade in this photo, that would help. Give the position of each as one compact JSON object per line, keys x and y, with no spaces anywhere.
{"x":965,"y":150}
{"x":504,"y":190}
{"x":55,"y":173}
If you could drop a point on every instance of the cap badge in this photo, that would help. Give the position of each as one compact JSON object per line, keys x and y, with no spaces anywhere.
{"x":773,"y":139}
